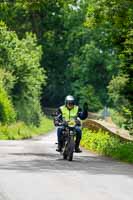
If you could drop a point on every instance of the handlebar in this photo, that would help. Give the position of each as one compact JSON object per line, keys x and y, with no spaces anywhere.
{"x":69,"y":123}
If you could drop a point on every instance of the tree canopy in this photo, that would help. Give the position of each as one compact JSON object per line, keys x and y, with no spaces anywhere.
{"x":85,"y":48}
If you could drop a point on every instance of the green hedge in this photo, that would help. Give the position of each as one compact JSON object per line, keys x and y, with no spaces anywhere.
{"x":20,"y":130}
{"x":108,"y":145}
{"x":7,"y":112}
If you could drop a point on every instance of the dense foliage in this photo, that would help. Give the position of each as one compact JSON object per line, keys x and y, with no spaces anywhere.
{"x":21,"y":130}
{"x":7,"y":112}
{"x":109,"y":145}
{"x":21,"y":75}
{"x":85,"y":47}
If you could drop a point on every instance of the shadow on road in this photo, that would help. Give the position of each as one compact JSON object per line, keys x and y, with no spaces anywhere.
{"x":32,"y":162}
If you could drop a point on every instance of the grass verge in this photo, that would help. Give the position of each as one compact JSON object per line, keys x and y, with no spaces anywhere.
{"x":105,"y":144}
{"x":20,"y":130}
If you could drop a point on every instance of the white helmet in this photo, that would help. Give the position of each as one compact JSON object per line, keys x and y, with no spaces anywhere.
{"x":69,"y":100}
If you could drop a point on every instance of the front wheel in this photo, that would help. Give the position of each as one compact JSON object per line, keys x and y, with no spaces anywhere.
{"x":65,"y":150}
{"x":70,"y":156}
{"x":70,"y":150}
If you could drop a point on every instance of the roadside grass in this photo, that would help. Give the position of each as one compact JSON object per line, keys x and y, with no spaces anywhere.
{"x":20,"y":130}
{"x":106,"y":144}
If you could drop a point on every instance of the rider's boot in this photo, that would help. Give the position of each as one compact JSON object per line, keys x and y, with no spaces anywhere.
{"x":59,"y":148}
{"x":77,"y":149}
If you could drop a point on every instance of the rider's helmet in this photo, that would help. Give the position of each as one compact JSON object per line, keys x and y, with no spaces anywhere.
{"x":69,"y":100}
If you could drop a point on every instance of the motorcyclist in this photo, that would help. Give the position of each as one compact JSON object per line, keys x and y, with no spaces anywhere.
{"x":67,"y":112}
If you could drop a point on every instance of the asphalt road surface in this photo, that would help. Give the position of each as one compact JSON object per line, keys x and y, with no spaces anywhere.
{"x":33,"y":170}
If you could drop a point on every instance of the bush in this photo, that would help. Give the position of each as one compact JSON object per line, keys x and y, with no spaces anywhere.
{"x":7,"y":112}
{"x":20,"y":130}
{"x":116,"y":116}
{"x":30,"y":111}
{"x":20,"y":59}
{"x":106,"y":144}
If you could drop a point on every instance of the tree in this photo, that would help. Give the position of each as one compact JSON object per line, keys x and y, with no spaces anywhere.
{"x":21,"y":59}
{"x":7,"y":111}
{"x":45,"y":18}
{"x":116,"y":19}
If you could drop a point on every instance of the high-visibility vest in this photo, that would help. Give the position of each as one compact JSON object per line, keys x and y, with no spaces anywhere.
{"x":69,"y":114}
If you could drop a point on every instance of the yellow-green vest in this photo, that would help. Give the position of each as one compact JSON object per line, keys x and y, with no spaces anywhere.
{"x":69,"y":114}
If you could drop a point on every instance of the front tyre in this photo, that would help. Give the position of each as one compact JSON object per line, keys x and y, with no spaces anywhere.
{"x":70,"y":156}
{"x":70,"y":150}
{"x":65,"y":150}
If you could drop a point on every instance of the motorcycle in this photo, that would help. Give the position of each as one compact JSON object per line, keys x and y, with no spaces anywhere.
{"x":68,"y":135}
{"x":68,"y":139}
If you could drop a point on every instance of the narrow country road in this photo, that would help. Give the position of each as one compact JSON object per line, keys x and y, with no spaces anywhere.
{"x":33,"y":170}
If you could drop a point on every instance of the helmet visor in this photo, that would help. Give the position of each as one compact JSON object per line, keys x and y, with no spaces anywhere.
{"x":70,"y":103}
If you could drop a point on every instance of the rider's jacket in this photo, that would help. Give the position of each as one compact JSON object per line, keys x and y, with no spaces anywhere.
{"x":63,"y":113}
{"x":69,"y":114}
